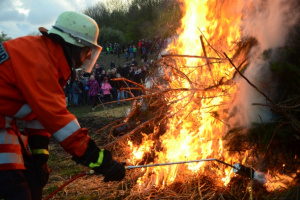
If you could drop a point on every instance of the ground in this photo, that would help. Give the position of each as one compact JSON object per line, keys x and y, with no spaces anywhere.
{"x":63,"y":168}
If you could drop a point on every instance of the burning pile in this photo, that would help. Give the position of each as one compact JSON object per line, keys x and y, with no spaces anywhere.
{"x":198,"y":96}
{"x":200,"y":91}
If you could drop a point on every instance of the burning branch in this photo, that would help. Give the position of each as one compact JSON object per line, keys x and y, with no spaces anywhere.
{"x":207,"y":60}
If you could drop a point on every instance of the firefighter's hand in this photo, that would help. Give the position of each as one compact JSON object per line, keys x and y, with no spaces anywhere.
{"x":109,"y":168}
{"x":101,"y":162}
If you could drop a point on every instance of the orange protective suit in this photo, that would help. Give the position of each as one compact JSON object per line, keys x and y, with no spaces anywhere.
{"x":31,"y":89}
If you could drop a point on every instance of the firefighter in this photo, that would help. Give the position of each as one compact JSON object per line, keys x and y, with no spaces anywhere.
{"x":33,"y":71}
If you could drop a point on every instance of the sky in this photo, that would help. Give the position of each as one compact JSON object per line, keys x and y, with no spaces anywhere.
{"x":23,"y":17}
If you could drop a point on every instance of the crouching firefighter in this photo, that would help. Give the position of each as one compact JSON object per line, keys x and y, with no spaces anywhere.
{"x":33,"y":71}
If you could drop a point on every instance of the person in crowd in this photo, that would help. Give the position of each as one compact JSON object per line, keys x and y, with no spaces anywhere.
{"x":131,"y":72}
{"x":130,"y":51}
{"x":88,"y":98}
{"x":33,"y":72}
{"x":137,"y":77}
{"x":94,"y":90}
{"x":126,"y":55}
{"x":111,"y":50}
{"x":69,"y":91}
{"x":97,"y":71}
{"x":106,"y":87}
{"x":113,"y":84}
{"x":119,"y":69}
{"x":143,"y":46}
{"x":101,"y":77}
{"x":134,"y":50}
{"x":108,"y":73}
{"x":131,"y":75}
{"x":81,"y":88}
{"x":107,"y":49}
{"x":145,"y":69}
{"x":115,"y":48}
{"x":84,"y":93}
{"x":125,"y":71}
{"x":120,"y":85}
{"x":134,"y":62}
{"x":66,"y":91}
{"x":112,"y":64}
{"x":76,"y":92}
{"x":140,"y":46}
{"x":101,"y":68}
{"x":144,"y":56}
{"x":146,"y":45}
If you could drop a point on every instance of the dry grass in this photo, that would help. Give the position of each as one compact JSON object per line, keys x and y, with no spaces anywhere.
{"x":115,"y":112}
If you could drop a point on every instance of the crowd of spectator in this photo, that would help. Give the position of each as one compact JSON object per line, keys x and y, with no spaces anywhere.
{"x":132,"y":49}
{"x":99,"y":86}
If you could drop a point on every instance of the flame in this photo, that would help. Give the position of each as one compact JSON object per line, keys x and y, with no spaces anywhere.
{"x":195,"y":126}
{"x":279,"y":181}
{"x":138,"y":152}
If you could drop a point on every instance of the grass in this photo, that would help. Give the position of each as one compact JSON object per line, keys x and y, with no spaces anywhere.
{"x":86,"y":111}
{"x":80,"y":111}
{"x":105,"y":60}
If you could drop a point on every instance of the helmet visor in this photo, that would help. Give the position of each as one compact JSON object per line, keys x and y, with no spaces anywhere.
{"x":89,"y":63}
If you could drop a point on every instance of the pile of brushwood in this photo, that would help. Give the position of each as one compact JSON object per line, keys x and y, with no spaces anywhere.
{"x":275,"y":144}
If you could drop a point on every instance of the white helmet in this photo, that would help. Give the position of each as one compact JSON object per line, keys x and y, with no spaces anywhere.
{"x":80,"y":30}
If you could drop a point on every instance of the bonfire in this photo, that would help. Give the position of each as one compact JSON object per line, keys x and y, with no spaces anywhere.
{"x":195,"y":109}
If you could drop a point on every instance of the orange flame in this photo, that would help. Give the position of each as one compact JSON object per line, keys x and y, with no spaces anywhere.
{"x":195,"y":129}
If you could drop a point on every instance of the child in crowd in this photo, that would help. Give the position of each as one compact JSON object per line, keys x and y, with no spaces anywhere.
{"x":106,"y":87}
{"x":94,"y":90}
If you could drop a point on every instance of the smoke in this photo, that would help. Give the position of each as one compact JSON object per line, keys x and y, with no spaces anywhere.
{"x":270,"y":22}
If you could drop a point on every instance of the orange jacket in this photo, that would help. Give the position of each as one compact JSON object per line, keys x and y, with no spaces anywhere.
{"x":31,"y":89}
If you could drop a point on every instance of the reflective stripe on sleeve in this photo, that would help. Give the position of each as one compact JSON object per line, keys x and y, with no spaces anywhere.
{"x":34,"y":124}
{"x":8,"y":158}
{"x":67,"y":131}
{"x":40,"y":151}
{"x":25,"y":110}
{"x":6,"y":138}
